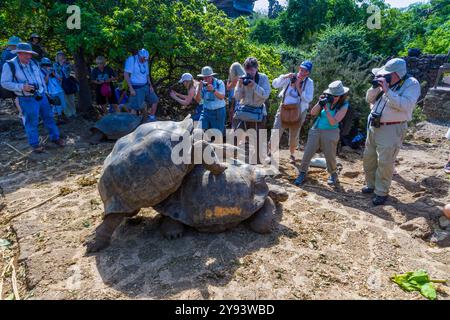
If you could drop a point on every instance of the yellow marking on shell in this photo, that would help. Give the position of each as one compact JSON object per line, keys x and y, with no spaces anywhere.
{"x":220,"y":212}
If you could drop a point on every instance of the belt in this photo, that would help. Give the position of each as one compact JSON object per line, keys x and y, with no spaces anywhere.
{"x":389,"y":123}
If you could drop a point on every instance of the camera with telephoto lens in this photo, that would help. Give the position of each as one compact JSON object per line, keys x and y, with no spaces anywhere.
{"x":327,"y":99}
{"x":375,"y":119}
{"x":375,"y":82}
{"x":246,"y":79}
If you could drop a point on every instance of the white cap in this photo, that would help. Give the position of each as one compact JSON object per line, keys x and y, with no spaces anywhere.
{"x":186,"y":77}
{"x":144,"y":53}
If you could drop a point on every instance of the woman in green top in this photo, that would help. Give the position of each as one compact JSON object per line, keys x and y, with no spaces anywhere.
{"x":324,"y":135}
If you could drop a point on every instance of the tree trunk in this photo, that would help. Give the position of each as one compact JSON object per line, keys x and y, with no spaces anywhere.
{"x":82,"y":72}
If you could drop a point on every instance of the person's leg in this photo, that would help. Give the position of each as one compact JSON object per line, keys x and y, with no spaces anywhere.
{"x":69,"y":110}
{"x":294,"y":133}
{"x":46,"y":114}
{"x":220,"y":118}
{"x":370,"y":158}
{"x":204,"y":120}
{"x":328,"y":144}
{"x":276,"y":126}
{"x":312,"y":145}
{"x":30,"y":111}
{"x":388,"y":142}
{"x":152,"y":100}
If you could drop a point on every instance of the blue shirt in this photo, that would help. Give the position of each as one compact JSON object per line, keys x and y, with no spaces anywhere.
{"x":210,"y":101}
{"x":322,"y":122}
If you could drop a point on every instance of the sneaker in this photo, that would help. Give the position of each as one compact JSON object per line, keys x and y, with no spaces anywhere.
{"x":59,"y":142}
{"x":379,"y":200}
{"x":447,"y":167}
{"x":367,"y":190}
{"x":300,"y":179}
{"x":151,"y":118}
{"x":333,"y":179}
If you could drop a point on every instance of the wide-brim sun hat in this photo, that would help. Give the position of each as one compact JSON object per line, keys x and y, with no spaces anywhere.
{"x":13,"y":41}
{"x":336,"y":88}
{"x":24,"y":48}
{"x":207,"y":72}
{"x":396,"y":65}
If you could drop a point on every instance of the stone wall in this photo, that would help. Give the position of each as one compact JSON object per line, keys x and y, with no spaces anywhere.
{"x":436,"y":105}
{"x":425,"y":69}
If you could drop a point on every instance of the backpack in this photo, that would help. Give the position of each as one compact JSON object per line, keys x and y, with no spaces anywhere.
{"x":6,"y":94}
{"x":346,"y":124}
{"x":105,"y":90}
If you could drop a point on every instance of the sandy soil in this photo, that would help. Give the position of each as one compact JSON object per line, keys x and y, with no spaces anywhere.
{"x":326,"y":243}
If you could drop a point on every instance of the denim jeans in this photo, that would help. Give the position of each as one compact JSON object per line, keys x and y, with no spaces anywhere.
{"x":32,"y":109}
{"x":213,"y":119}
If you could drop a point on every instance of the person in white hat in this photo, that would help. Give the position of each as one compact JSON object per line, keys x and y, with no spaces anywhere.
{"x":392,"y":99}
{"x":190,"y":84}
{"x":325,"y":134}
{"x":24,"y":77}
{"x":142,"y":93}
{"x":211,"y":93}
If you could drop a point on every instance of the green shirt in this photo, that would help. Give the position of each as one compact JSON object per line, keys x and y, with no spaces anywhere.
{"x":322,"y":120}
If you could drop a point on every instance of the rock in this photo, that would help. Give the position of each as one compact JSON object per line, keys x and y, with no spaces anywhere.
{"x":444,"y":223}
{"x":437,"y":104}
{"x":419,"y":227}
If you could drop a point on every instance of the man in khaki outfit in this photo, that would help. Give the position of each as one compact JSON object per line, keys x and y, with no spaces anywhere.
{"x":392,"y":99}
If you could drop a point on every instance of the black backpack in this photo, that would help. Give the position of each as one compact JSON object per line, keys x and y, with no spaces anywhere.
{"x":6,"y":94}
{"x":346,"y":124}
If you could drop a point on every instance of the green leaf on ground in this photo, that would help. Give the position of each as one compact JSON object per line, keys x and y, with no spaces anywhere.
{"x":417,"y":281}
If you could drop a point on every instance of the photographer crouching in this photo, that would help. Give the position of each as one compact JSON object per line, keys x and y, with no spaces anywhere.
{"x":393,"y":97}
{"x":24,"y":77}
{"x":324,"y":134}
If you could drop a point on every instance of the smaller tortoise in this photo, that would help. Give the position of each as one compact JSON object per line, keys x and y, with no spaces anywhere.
{"x":215,"y":203}
{"x":114,"y":126}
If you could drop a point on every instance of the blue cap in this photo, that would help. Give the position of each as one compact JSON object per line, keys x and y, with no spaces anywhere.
{"x":307,"y":65}
{"x":144,"y":54}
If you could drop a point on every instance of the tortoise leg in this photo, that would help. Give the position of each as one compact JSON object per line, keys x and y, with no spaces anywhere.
{"x":216,"y":167}
{"x":103,"y":233}
{"x":277,"y":193}
{"x":96,"y":138}
{"x":171,"y":229}
{"x":261,"y":222}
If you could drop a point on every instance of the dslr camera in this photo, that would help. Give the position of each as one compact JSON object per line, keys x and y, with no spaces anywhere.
{"x":375,"y":82}
{"x":246,"y":79}
{"x":294,"y":79}
{"x":327,"y":99}
{"x":375,"y":119}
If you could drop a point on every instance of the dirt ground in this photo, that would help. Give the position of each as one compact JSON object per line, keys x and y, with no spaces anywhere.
{"x":326,"y":243}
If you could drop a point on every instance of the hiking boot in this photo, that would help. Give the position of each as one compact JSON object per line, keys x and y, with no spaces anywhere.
{"x":379,"y":200}
{"x":300,"y":179}
{"x":333,"y":179}
{"x":292,"y":159}
{"x":38,"y":149}
{"x":59,"y":142}
{"x":367,"y":190}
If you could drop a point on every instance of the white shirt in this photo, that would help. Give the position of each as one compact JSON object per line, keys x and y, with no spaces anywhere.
{"x":139,"y":71}
{"x":292,"y":96}
{"x":29,"y":73}
{"x":307,"y":93}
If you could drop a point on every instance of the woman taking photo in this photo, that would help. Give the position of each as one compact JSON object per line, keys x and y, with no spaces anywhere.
{"x":296,"y":94}
{"x":324,"y":135}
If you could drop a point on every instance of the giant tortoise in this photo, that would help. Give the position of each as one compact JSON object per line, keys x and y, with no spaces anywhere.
{"x":140,"y":172}
{"x":215,"y":203}
{"x":114,"y":126}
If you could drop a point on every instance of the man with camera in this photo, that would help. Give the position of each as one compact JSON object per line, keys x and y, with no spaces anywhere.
{"x":393,"y":97}
{"x":211,"y":92}
{"x":23,"y":76}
